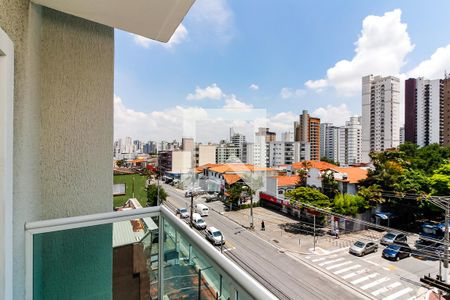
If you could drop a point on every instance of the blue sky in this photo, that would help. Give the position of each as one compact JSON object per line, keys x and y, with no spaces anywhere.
{"x":283,"y":49}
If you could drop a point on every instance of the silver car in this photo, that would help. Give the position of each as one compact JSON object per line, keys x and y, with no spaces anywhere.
{"x":393,"y":237}
{"x":183,"y":212}
{"x":360,"y":248}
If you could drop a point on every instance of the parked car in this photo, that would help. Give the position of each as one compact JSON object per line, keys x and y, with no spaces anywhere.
{"x":211,"y":197}
{"x":396,"y":251}
{"x":361,"y":248}
{"x":183,"y":212}
{"x":393,"y":237}
{"x":198,"y":221}
{"x":215,"y":236}
{"x":202,"y":209}
{"x":194,"y":190}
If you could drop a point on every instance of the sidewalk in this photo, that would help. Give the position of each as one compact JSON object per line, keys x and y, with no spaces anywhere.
{"x":277,"y":231}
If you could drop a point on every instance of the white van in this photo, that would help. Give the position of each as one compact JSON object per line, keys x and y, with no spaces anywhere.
{"x":198,"y":221}
{"x":202,"y":209}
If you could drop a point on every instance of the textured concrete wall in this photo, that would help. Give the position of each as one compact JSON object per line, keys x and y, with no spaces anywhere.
{"x":77,"y":71}
{"x":63,"y":118}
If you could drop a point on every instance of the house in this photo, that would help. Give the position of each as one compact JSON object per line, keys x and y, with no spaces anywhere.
{"x":277,"y":186}
{"x":219,"y":177}
{"x":347,"y":177}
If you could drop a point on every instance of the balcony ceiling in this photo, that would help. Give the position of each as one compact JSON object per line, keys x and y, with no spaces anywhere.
{"x":154,"y":19}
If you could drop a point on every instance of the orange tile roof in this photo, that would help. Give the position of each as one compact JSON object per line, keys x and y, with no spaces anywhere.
{"x":224,"y":168}
{"x":287,"y":180}
{"x":321,"y":165}
{"x":231,"y":178}
{"x":354,"y":174}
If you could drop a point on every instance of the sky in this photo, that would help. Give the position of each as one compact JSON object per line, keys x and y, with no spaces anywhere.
{"x":260,"y":63}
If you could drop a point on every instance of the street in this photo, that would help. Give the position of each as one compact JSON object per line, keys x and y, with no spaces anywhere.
{"x":286,"y":276}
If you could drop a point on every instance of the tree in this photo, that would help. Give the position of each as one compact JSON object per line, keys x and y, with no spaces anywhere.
{"x":372,"y":195}
{"x":350,"y":204}
{"x":121,"y":162}
{"x":440,"y":181}
{"x":412,"y":182}
{"x":330,"y":186}
{"x":326,"y":159}
{"x":308,"y":195}
{"x":234,"y":194}
{"x":303,"y":172}
{"x":152,"y":194}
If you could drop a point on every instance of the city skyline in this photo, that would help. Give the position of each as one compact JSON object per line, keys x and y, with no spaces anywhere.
{"x":194,"y":77}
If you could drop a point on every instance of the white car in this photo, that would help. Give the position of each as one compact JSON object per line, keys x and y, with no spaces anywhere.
{"x":198,"y":221}
{"x":215,"y":236}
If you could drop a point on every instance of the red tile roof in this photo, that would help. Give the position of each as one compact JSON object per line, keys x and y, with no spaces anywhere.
{"x":354,"y":174}
{"x":287,"y":180}
{"x":231,"y":178}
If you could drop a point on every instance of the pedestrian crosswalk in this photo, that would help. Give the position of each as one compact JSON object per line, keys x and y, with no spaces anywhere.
{"x":374,"y":282}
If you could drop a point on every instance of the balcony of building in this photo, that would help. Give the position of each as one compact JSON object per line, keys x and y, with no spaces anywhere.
{"x":136,"y":254}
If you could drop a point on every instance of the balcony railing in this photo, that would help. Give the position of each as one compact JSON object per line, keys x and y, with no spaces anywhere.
{"x":136,"y":254}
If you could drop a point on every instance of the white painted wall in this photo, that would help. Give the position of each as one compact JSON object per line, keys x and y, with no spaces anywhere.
{"x":6,"y":163}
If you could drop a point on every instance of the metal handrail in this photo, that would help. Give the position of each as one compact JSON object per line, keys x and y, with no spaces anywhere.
{"x":241,"y":280}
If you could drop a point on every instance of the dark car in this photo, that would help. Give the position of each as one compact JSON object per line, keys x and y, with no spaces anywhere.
{"x":396,"y":251}
{"x":393,"y":237}
{"x":362,"y":248}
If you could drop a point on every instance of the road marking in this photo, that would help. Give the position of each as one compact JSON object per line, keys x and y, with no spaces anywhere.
{"x":339,"y":265}
{"x":307,"y":257}
{"x":398,"y":294}
{"x":323,"y":258}
{"x":371,"y":262}
{"x":391,"y":267}
{"x":331,"y":261}
{"x":350,"y":275}
{"x":374,"y":283}
{"x":347,"y":269}
{"x":386,"y":288}
{"x":359,"y":280}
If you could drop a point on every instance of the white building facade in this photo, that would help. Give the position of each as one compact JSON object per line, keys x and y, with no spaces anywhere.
{"x":380,"y":114}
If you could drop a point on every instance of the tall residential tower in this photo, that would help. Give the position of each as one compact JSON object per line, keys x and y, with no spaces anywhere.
{"x":380,"y":114}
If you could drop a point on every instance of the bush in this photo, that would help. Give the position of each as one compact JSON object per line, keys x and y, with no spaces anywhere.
{"x":346,"y":204}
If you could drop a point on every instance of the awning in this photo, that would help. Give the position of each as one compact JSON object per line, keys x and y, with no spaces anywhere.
{"x":385,"y":215}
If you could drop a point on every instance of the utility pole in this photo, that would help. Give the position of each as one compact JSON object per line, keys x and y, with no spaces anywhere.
{"x":314,"y":234}
{"x":192,"y":209}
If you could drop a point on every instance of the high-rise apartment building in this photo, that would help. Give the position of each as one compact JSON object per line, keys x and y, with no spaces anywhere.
{"x":187,"y":144}
{"x":353,"y":146}
{"x":239,"y":141}
{"x":284,"y":153}
{"x":227,"y":153}
{"x":257,"y":152}
{"x":424,"y":111}
{"x":380,"y":114}
{"x":205,"y":154}
{"x":446,"y":112}
{"x":287,"y":136}
{"x":307,"y":132}
{"x":269,"y":136}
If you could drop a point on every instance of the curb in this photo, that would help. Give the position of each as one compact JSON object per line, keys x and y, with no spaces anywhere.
{"x":252,"y":231}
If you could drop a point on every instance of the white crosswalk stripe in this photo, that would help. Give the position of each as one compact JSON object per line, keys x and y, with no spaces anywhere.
{"x":398,"y":294}
{"x":346,"y":269}
{"x":362,"y":279}
{"x":331,"y":261}
{"x":339,"y":265}
{"x":323,"y":258}
{"x":386,"y":288}
{"x":350,"y":275}
{"x":374,"y":283}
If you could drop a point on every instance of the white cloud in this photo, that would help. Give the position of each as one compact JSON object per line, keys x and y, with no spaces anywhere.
{"x":254,"y":87}
{"x":381,"y":49}
{"x":210,"y":92}
{"x":232,"y":103}
{"x":179,"y":36}
{"x":435,"y":66}
{"x":333,"y":114}
{"x":286,"y":93}
{"x":214,"y":18}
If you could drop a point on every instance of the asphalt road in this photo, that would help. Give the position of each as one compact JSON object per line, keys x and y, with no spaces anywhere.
{"x":285,"y":276}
